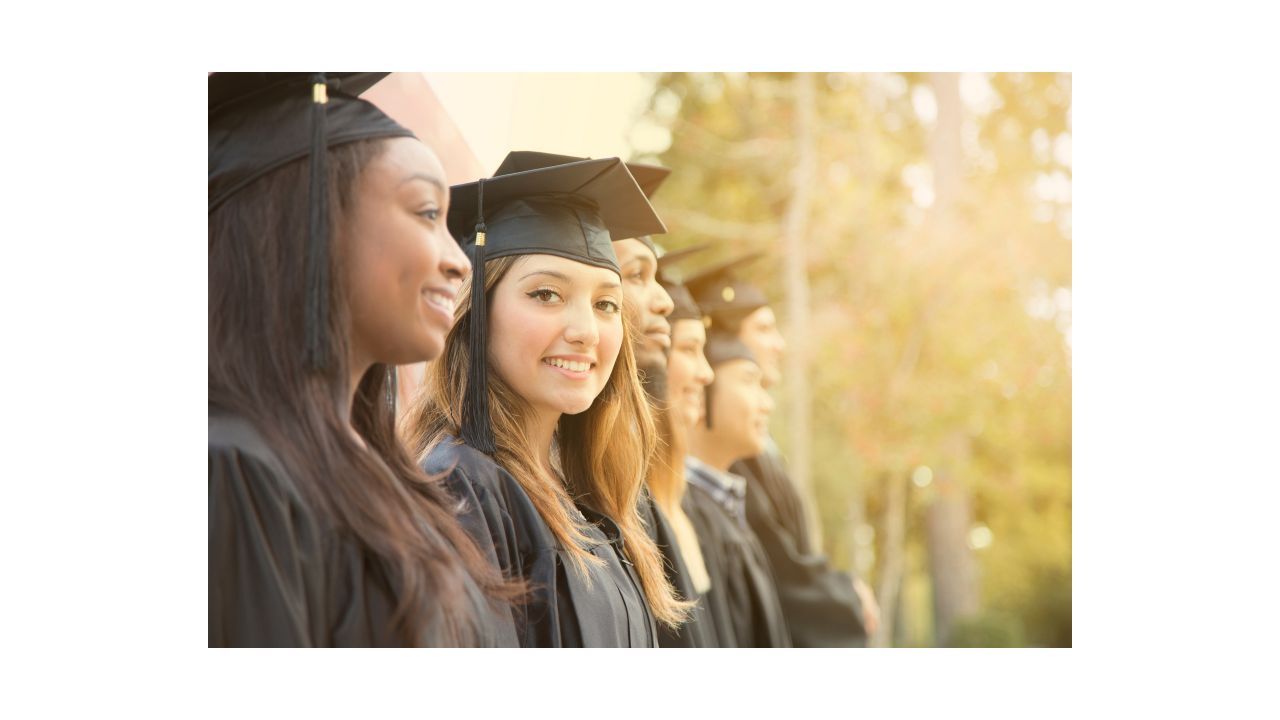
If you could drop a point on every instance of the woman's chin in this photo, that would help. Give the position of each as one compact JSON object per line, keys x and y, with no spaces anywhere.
{"x":573,"y":406}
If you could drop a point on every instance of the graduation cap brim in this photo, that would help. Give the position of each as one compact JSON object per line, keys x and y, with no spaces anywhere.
{"x":624,"y":210}
{"x":230,"y":87}
{"x":259,"y":122}
{"x":669,"y":260}
{"x":725,"y":270}
{"x":648,"y":177}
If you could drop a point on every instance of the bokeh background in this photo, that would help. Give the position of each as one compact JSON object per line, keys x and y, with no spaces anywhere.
{"x":917,"y":238}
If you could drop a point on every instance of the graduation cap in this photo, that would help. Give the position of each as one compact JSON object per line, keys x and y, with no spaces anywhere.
{"x":648,"y":177}
{"x":685,"y":307}
{"x":259,"y":122}
{"x":668,"y":260}
{"x":721,"y":348}
{"x":573,"y":210}
{"x":721,"y":295}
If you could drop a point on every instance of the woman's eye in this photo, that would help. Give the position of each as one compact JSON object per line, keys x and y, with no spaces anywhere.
{"x":430,"y":213}
{"x":607,"y":306}
{"x":544,"y":295}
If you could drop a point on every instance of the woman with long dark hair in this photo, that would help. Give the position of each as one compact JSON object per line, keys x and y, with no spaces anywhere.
{"x":536,"y":411}
{"x":329,"y":263}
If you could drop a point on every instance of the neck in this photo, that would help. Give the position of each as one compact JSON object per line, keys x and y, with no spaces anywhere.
{"x":712,"y":453}
{"x":358,"y":367}
{"x":541,"y":429}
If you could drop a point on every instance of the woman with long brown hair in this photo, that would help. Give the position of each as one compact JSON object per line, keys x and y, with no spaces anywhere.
{"x":536,"y":411}
{"x":329,"y":263}
{"x":646,"y":307}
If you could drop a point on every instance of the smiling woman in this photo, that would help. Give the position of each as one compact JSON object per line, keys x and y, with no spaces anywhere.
{"x":562,"y":332}
{"x":329,"y":261}
{"x":536,"y":415}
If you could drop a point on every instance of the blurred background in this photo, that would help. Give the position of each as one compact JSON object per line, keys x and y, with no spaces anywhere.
{"x":917,"y":231}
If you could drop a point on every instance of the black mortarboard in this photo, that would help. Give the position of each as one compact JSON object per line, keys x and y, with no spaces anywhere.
{"x":721,"y":348}
{"x":648,"y":177}
{"x":721,"y":294}
{"x":669,"y":259}
{"x":259,"y":122}
{"x":570,"y":209}
{"x":685,"y":308}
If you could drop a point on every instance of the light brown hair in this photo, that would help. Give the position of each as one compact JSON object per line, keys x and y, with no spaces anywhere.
{"x":603,"y":451}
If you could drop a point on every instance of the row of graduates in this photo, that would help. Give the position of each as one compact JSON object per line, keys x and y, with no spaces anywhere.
{"x":587,"y":463}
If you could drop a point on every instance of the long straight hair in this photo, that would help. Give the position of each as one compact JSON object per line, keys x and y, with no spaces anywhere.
{"x":667,"y":482}
{"x":376,"y":494}
{"x":603,"y":451}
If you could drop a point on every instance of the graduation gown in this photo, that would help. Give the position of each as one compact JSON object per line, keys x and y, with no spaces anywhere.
{"x":280,"y":576}
{"x":821,"y":608}
{"x":565,"y":609}
{"x":698,"y":630}
{"x":743,"y":601}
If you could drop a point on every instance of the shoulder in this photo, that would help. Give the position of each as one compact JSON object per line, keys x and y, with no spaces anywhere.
{"x":472,"y":475}
{"x":239,"y":455}
{"x":462,"y":465}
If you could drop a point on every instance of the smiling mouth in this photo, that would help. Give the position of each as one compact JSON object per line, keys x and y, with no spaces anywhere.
{"x":440,"y":300}
{"x":570,"y":365}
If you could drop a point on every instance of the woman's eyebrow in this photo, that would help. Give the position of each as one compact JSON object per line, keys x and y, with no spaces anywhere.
{"x":424,"y":177}
{"x":558,"y":275}
{"x":644,"y":260}
{"x":608,"y":286}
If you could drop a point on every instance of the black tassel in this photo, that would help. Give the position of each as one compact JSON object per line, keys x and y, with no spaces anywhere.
{"x":477,"y":431}
{"x":393,"y":390}
{"x":317,"y":261}
{"x":706,"y":400}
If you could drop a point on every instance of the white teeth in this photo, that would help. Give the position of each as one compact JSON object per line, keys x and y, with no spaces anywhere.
{"x":568,"y":364}
{"x":442,"y":301}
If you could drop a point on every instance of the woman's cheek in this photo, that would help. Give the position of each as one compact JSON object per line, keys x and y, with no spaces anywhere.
{"x":611,"y":339}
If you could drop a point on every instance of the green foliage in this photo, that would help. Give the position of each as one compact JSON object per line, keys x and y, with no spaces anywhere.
{"x":988,"y":630}
{"x":949,"y":350}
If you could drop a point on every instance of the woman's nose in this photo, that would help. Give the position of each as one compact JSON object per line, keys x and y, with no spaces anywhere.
{"x":454,"y":263}
{"x":581,"y":327}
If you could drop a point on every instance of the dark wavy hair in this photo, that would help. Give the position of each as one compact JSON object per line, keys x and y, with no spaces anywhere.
{"x":377,"y":495}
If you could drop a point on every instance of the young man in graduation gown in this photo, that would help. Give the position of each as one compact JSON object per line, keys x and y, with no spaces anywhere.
{"x":649,"y":307}
{"x":824,"y":606}
{"x":743,"y":599}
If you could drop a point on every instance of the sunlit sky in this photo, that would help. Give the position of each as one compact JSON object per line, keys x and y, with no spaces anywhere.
{"x":583,"y":114}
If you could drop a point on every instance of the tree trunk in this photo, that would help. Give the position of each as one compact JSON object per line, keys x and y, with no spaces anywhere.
{"x":893,"y":566}
{"x":797,"y":282}
{"x":951,"y":562}
{"x":948,"y":517}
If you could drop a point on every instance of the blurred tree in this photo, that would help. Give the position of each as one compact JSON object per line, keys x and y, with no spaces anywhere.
{"x":938,"y":356}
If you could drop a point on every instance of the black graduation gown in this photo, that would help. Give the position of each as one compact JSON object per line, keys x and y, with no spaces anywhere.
{"x":698,"y":630}
{"x":743,"y":601}
{"x":564,"y":609}
{"x":279,"y":576}
{"x":821,"y":608}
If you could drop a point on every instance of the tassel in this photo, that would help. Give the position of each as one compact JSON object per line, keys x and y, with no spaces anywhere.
{"x":317,"y":261}
{"x":393,"y":390}
{"x":477,"y":431}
